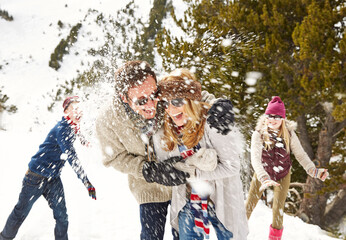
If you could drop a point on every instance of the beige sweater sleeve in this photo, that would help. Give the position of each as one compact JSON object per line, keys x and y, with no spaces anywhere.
{"x":299,"y":152}
{"x":114,"y":152}
{"x":256,"y":155}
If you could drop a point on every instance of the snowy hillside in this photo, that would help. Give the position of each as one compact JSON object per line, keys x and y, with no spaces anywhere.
{"x":26,"y":44}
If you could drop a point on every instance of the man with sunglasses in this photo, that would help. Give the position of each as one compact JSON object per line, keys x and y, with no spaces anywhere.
{"x":125,"y":130}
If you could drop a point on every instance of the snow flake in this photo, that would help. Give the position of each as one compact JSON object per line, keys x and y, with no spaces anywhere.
{"x":250,"y":81}
{"x":220,"y":109}
{"x":63,"y":156}
{"x":109,"y":150}
{"x":145,"y":138}
{"x":226,"y":42}
{"x":251,"y":90}
{"x":279,"y":145}
{"x":188,"y":81}
{"x":227,"y":86}
{"x":235,"y":74}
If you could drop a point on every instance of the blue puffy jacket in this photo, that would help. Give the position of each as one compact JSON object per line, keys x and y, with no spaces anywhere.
{"x":55,"y":150}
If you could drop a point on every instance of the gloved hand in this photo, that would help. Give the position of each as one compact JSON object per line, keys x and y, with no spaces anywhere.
{"x":221,"y":116}
{"x":164,"y":172}
{"x":91,"y":190}
{"x":205,"y":159}
{"x":267,"y":183}
{"x":185,"y":167}
{"x":320,"y":173}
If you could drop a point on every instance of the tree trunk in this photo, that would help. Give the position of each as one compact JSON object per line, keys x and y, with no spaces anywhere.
{"x":336,"y":209}
{"x":314,"y":203}
{"x":304,"y":136}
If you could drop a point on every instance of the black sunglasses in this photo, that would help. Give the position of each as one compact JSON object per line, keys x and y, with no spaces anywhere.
{"x":178,"y":102}
{"x":144,"y":100}
{"x":275,"y":117}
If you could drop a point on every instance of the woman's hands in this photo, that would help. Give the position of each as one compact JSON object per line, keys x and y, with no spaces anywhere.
{"x":205,"y":159}
{"x":267,"y":182}
{"x":320,"y":173}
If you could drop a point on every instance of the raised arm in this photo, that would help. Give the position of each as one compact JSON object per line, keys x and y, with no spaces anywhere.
{"x":65,"y":139}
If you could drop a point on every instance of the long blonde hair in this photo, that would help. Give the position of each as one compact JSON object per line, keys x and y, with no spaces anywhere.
{"x":283,"y":133}
{"x":192,"y":132}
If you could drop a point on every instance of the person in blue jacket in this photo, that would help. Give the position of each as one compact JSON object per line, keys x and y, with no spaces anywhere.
{"x":43,"y":175}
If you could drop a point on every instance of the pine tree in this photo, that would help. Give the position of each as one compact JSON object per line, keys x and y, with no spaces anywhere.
{"x":145,"y":42}
{"x":5,"y":107}
{"x":298,"y":47}
{"x":127,"y":38}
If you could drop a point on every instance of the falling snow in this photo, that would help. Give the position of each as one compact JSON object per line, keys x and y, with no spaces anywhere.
{"x":29,"y":40}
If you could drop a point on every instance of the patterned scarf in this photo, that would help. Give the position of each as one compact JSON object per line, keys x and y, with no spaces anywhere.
{"x":198,"y":204}
{"x":146,"y":126}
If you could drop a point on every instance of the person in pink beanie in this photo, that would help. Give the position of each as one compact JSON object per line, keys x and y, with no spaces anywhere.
{"x":272,"y":142}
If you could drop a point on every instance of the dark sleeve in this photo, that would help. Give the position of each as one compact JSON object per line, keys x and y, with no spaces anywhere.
{"x":66,"y":138}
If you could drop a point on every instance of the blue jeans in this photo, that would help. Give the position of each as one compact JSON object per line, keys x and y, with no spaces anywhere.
{"x":33,"y":187}
{"x":187,"y":225}
{"x":153,"y":221}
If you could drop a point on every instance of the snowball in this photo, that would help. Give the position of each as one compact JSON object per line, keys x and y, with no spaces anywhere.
{"x":202,"y":188}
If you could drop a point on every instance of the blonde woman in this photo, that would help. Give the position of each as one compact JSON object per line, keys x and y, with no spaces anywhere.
{"x":213,"y":194}
{"x":271,"y":143}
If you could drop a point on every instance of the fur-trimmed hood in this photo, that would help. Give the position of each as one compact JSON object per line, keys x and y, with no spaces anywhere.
{"x":260,"y":126}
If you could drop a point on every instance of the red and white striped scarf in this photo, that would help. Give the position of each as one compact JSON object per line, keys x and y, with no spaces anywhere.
{"x":199,"y":205}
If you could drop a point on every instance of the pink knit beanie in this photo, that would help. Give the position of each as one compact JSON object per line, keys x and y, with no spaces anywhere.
{"x":276,"y":107}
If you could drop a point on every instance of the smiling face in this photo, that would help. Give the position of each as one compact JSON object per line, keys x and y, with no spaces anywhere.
{"x":177,"y":113}
{"x":142,"y":99}
{"x":73,"y":112}
{"x":273,"y":121}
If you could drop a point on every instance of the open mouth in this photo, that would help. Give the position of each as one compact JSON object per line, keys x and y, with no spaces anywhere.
{"x":177,"y":116}
{"x":149,"y":111}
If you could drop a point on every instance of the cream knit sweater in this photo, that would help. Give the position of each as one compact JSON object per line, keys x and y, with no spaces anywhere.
{"x":257,"y":148}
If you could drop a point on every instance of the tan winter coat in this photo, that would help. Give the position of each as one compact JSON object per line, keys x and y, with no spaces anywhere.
{"x":257,"y":148}
{"x":227,"y":194}
{"x":123,"y":148}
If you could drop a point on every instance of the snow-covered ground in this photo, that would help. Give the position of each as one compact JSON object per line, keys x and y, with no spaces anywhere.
{"x":115,"y":213}
{"x":25,"y":47}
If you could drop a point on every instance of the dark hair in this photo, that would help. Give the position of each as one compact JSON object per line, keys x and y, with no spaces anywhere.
{"x":131,"y":74}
